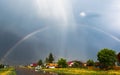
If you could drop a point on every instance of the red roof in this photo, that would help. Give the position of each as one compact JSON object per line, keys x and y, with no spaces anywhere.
{"x":34,"y":64}
{"x":69,"y":62}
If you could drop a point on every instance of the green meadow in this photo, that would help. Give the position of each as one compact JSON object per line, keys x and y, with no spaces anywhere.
{"x":78,"y":71}
{"x":7,"y":71}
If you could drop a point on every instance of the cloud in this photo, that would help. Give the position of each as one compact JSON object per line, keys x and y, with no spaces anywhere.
{"x":59,"y":11}
{"x":111,"y":16}
{"x":19,"y":42}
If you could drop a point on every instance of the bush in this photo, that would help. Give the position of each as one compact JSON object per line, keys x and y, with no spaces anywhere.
{"x":1,"y":66}
{"x":90,"y":63}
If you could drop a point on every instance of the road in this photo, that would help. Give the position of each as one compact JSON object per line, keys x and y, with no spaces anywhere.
{"x":23,"y":71}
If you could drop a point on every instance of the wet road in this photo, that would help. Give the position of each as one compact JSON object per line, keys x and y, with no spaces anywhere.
{"x":23,"y":71}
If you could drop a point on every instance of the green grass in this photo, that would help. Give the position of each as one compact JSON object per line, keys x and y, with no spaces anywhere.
{"x":7,"y":71}
{"x":78,"y":71}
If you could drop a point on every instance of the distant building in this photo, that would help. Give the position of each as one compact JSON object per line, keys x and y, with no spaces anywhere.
{"x":70,"y":63}
{"x":76,"y":63}
{"x":51,"y":65}
{"x":33,"y":65}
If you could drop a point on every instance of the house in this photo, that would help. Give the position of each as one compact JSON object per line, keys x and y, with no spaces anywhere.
{"x":51,"y":65}
{"x":76,"y":63}
{"x":70,"y":63}
{"x":33,"y":65}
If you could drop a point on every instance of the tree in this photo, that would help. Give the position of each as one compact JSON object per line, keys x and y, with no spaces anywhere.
{"x":107,"y":58}
{"x":1,"y":66}
{"x":40,"y":62}
{"x":90,"y":62}
{"x":51,"y":58}
{"x":118,"y":58}
{"x":46,"y":60}
{"x":62,"y":63}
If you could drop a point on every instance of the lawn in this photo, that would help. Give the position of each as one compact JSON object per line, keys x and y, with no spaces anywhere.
{"x":78,"y":71}
{"x":7,"y":71}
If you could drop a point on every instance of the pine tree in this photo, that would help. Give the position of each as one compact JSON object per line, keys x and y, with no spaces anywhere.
{"x":50,"y":58}
{"x":40,"y":62}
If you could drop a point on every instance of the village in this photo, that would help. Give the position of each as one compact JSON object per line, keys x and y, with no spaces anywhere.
{"x":108,"y":64}
{"x":63,"y":63}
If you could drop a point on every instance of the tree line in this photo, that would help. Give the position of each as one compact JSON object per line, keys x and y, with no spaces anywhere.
{"x":106,"y":58}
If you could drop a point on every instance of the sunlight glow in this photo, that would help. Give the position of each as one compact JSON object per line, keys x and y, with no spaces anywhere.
{"x":59,"y":11}
{"x":53,"y":9}
{"x":82,"y":14}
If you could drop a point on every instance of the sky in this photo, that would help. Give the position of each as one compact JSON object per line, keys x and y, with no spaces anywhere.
{"x":71,"y":29}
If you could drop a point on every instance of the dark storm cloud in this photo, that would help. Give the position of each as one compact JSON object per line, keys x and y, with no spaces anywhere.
{"x":27,"y":50}
{"x":67,"y":36}
{"x":7,"y":40}
{"x":17,"y":19}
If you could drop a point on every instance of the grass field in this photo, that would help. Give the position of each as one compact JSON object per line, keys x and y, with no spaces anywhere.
{"x":78,"y":71}
{"x":7,"y":71}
